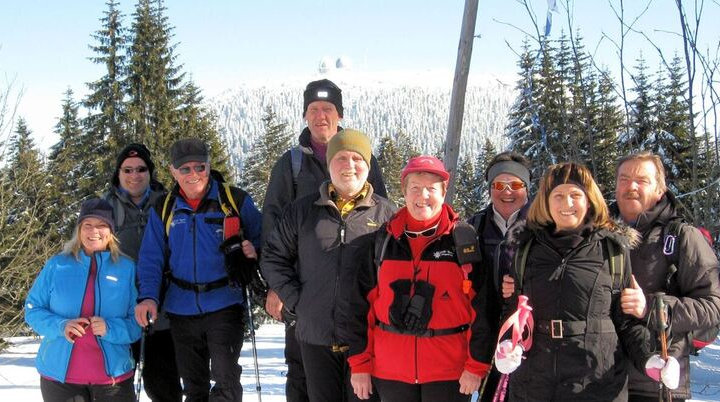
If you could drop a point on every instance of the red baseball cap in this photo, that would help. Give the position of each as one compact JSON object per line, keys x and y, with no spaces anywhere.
{"x":425,"y":163}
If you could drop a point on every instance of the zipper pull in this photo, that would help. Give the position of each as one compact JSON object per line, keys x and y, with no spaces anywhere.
{"x":342,"y":234}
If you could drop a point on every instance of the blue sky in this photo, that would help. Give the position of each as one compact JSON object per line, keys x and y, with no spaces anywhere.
{"x":44,"y":44}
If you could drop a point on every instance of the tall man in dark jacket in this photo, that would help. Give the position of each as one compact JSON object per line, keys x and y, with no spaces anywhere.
{"x":692,"y":292}
{"x":306,"y":252}
{"x":508,"y":178}
{"x":206,"y":311}
{"x":133,"y":194}
{"x":300,"y":172}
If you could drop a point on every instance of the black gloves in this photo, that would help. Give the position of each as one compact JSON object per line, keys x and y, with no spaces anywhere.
{"x":401,"y":300}
{"x":419,"y":311}
{"x":240,"y":269}
{"x":411,"y":313}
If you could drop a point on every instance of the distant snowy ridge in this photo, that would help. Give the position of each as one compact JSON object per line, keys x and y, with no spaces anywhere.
{"x":380,"y":104}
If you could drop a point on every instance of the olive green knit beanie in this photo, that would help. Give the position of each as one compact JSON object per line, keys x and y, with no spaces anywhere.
{"x":350,"y":140}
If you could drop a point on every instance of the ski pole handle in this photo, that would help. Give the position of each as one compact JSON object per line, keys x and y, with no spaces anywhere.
{"x":662,"y":325}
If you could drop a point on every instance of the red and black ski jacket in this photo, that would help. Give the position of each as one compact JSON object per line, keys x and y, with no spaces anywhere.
{"x":413,"y":358}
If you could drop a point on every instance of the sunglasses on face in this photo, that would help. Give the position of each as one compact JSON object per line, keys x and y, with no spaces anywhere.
{"x":424,"y":233}
{"x":129,"y":170}
{"x":504,"y":185}
{"x":185,"y":170}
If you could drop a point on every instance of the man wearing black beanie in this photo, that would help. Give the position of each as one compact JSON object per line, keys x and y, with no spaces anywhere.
{"x":300,"y":172}
{"x":133,"y":193}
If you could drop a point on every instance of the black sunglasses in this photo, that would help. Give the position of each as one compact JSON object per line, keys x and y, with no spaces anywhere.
{"x":139,"y":169}
{"x":185,"y":170}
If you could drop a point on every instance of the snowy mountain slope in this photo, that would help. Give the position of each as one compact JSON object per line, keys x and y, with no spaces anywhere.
{"x":380,"y":104}
{"x":19,"y":380}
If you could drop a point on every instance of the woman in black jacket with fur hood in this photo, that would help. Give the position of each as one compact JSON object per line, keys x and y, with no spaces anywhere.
{"x":582,"y":340}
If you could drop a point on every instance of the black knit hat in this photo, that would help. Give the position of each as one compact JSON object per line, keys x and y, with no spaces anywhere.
{"x":188,"y":150}
{"x":97,"y":208}
{"x":134,"y":150}
{"x":323,"y":90}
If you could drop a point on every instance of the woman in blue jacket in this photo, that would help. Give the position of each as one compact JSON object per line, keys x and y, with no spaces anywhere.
{"x":82,"y":304}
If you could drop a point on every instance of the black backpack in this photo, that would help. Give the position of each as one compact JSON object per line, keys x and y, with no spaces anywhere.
{"x":671,"y":235}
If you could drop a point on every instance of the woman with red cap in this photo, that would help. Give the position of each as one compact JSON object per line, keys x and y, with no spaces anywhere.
{"x":414,"y":322}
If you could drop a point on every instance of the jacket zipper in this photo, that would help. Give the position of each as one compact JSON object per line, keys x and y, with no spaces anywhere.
{"x":563,"y":264}
{"x":97,"y":312}
{"x":343,"y":228}
{"x":416,"y":269}
{"x":195,"y":275}
{"x":82,"y":301}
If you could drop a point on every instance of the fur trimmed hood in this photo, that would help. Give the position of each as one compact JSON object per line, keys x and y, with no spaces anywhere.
{"x":622,"y":234}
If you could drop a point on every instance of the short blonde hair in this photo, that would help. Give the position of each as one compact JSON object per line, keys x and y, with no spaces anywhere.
{"x":569,"y":173}
{"x":644,"y":156}
{"x":74,"y":245}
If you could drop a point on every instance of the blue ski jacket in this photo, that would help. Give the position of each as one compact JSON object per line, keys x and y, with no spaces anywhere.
{"x":57,"y":296}
{"x":192,"y":248}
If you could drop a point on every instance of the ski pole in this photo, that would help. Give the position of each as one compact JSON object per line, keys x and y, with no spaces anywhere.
{"x":662,"y":325}
{"x":521,"y":325}
{"x":252,"y":341}
{"x":141,"y":358}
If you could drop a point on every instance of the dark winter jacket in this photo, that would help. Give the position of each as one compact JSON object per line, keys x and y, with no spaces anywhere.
{"x":572,"y":282}
{"x":130,"y":220}
{"x":304,"y":256}
{"x":193,"y":251}
{"x":693,"y":295}
{"x":407,"y":357}
{"x":281,"y":190}
{"x":497,"y":257}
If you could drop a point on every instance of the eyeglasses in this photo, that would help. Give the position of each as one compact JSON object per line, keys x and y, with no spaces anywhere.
{"x":185,"y":170}
{"x":423,"y":233}
{"x":504,"y":185}
{"x":129,"y":170}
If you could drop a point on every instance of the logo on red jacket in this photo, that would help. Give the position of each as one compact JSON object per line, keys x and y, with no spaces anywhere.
{"x":443,"y":254}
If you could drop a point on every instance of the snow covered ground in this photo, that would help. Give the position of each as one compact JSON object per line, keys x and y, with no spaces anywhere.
{"x":20,"y":382}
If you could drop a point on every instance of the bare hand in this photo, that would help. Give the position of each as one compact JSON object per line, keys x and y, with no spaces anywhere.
{"x":98,"y":325}
{"x":362,"y":385}
{"x":632,"y":300}
{"x":75,"y":328}
{"x":469,"y":383}
{"x":508,"y":286}
{"x":142,"y":309}
{"x":273,"y":305}
{"x":249,"y":250}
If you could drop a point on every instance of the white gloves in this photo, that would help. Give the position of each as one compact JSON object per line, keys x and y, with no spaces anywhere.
{"x":669,"y":371}
{"x":507,"y":358}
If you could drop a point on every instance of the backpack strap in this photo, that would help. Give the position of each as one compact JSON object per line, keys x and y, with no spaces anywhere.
{"x":616,"y":260}
{"x":465,"y":240}
{"x":296,"y":155}
{"x":381,"y":241}
{"x":119,"y":211}
{"x":671,"y":235}
{"x":226,"y":197}
{"x":168,"y":211}
{"x":520,"y":261}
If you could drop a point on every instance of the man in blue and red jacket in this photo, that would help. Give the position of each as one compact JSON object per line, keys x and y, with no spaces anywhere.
{"x":186,"y":246}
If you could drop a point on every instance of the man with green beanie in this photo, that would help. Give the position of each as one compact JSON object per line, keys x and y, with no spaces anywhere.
{"x":308,"y":254}
{"x":300,"y":172}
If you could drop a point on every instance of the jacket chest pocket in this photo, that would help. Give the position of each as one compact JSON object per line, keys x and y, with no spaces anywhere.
{"x":214,"y":226}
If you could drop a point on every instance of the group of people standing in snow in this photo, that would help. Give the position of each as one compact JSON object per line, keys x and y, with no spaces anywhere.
{"x":378,"y":303}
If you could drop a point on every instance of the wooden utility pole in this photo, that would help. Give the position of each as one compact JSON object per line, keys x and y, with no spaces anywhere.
{"x":457,"y":100}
